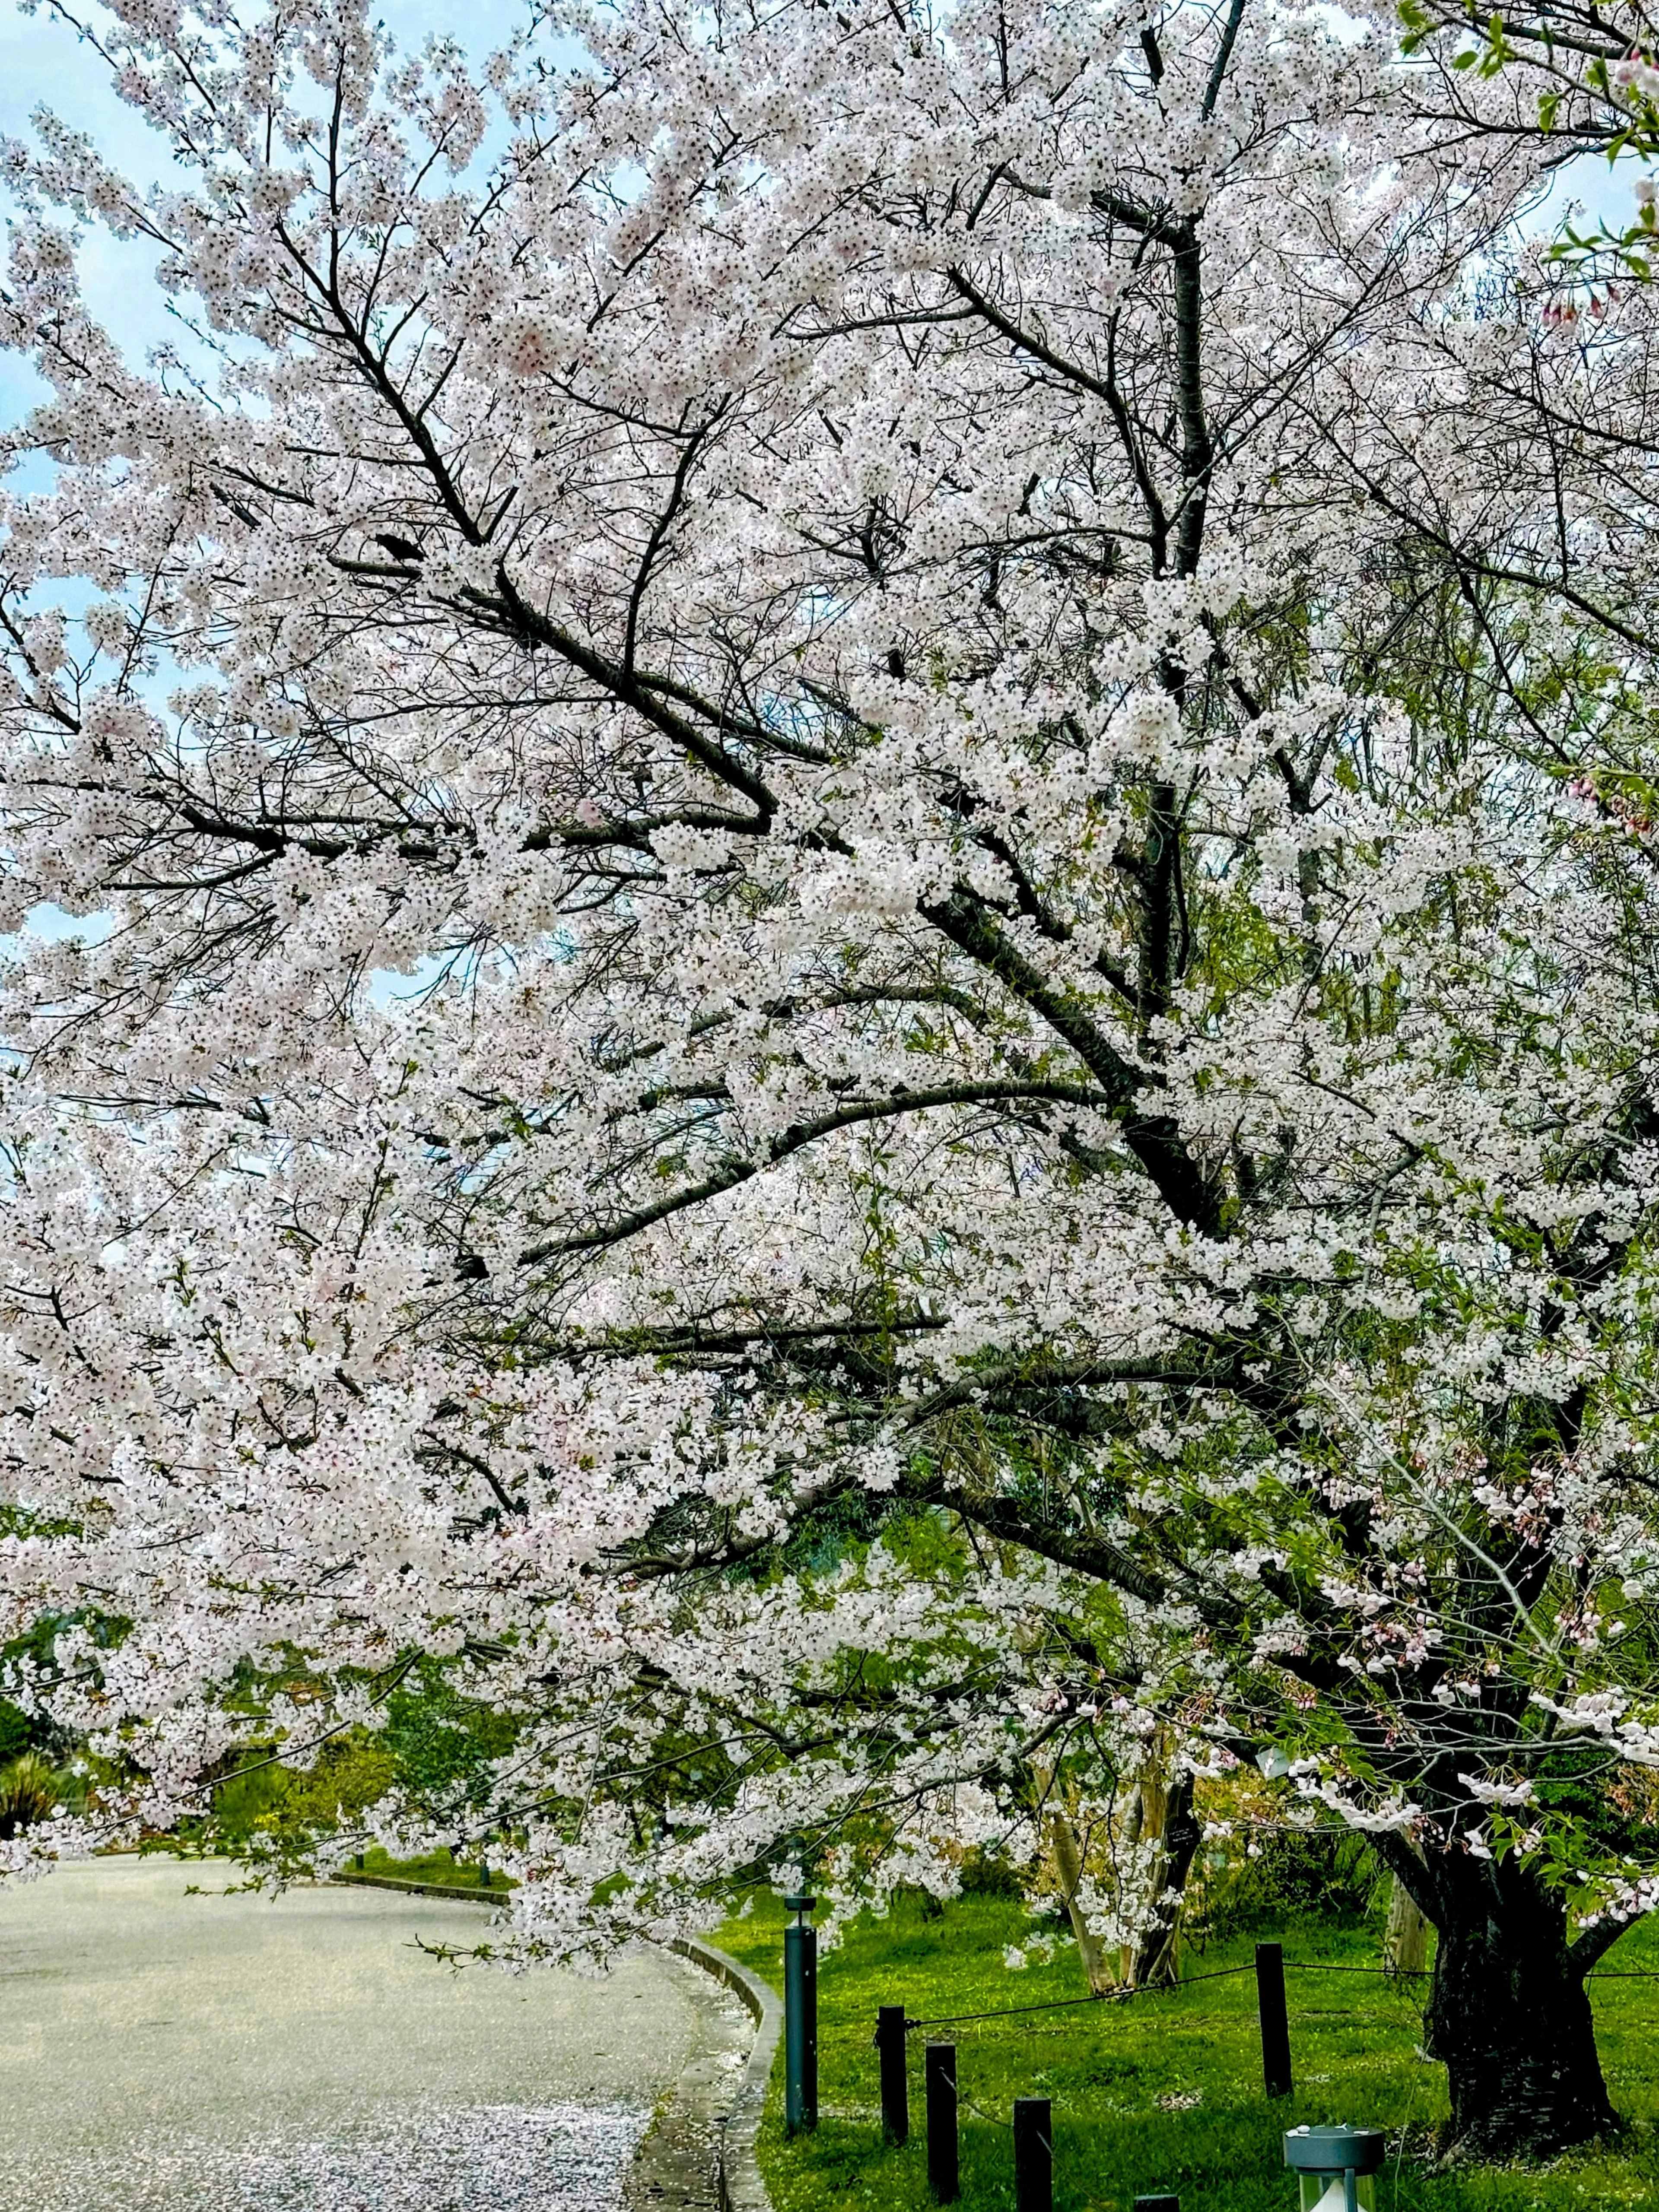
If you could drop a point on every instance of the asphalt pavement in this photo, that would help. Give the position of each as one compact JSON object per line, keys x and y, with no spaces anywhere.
{"x":165,"y":2052}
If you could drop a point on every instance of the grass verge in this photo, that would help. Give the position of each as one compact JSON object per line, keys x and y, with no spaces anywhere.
{"x":439,"y":1867}
{"x":1162,"y":2094}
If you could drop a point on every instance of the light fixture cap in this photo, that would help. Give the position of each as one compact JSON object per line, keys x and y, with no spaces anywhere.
{"x":1339,"y":2149}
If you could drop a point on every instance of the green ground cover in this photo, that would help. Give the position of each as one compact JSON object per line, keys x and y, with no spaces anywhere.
{"x":440,"y":1866}
{"x":1163,"y":2093}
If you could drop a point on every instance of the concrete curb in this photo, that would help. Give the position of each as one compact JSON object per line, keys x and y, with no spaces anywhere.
{"x":425,"y":1888}
{"x":739,"y":2184}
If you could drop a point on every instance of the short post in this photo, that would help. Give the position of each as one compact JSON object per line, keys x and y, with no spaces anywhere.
{"x":484,"y":1873}
{"x":1275,"y":2021}
{"x":359,"y":1857}
{"x":1034,"y":2155}
{"x":800,"y":2018}
{"x":944,"y":2170}
{"x":894,"y":2084}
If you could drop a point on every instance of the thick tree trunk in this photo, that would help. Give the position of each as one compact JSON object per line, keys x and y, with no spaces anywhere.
{"x":1509,"y":2019}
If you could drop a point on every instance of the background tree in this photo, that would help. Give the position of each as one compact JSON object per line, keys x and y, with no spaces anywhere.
{"x":955,"y":674}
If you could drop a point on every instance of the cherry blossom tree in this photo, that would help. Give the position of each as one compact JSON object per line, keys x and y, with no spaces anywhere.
{"x":864,"y":986}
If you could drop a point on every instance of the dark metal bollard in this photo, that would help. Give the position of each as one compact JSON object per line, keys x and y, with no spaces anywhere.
{"x":484,"y":1873}
{"x":944,"y":2170}
{"x":894,"y":2083}
{"x":801,"y":2019}
{"x":1034,"y":2155}
{"x":1275,"y":2021}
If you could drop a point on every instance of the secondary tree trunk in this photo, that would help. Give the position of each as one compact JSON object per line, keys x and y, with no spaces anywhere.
{"x":1149,"y":1851}
{"x":1068,"y":1868}
{"x":1509,"y":2018}
{"x":1406,"y":1943}
{"x":1170,"y":1821}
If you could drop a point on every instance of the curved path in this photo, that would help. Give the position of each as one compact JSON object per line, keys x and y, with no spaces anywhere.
{"x":165,"y":2053}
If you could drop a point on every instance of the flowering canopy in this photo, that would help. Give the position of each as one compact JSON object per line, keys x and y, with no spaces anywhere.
{"x":868,"y":985}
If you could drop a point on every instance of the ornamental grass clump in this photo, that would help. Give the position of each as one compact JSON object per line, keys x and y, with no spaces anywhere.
{"x":30,"y":1791}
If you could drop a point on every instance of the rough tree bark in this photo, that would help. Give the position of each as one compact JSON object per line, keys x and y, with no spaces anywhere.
{"x":1406,"y":1941}
{"x":1507,"y":2014}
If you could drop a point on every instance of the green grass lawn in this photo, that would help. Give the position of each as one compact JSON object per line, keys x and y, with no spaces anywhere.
{"x":440,"y":1866}
{"x":1163,"y":2093}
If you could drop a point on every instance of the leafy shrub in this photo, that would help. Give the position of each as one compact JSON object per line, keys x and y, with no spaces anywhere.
{"x":1320,"y":1874}
{"x":433,"y":1755}
{"x":985,"y":1875}
{"x":265,"y":1811}
{"x":14,"y":1732}
{"x":441,"y":1745}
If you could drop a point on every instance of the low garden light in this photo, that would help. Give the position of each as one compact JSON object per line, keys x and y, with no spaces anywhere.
{"x":1336,"y":2166}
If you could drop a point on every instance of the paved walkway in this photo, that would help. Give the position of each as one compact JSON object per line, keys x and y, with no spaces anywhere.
{"x":162,"y":2052}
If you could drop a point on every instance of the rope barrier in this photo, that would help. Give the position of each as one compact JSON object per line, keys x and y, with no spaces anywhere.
{"x":1424,"y":1974}
{"x":1061,"y":2004}
{"x":1269,"y":1967}
{"x":1008,"y":2012}
{"x":991,"y":2119}
{"x":1393,"y":1973}
{"x":1226,"y":1973}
